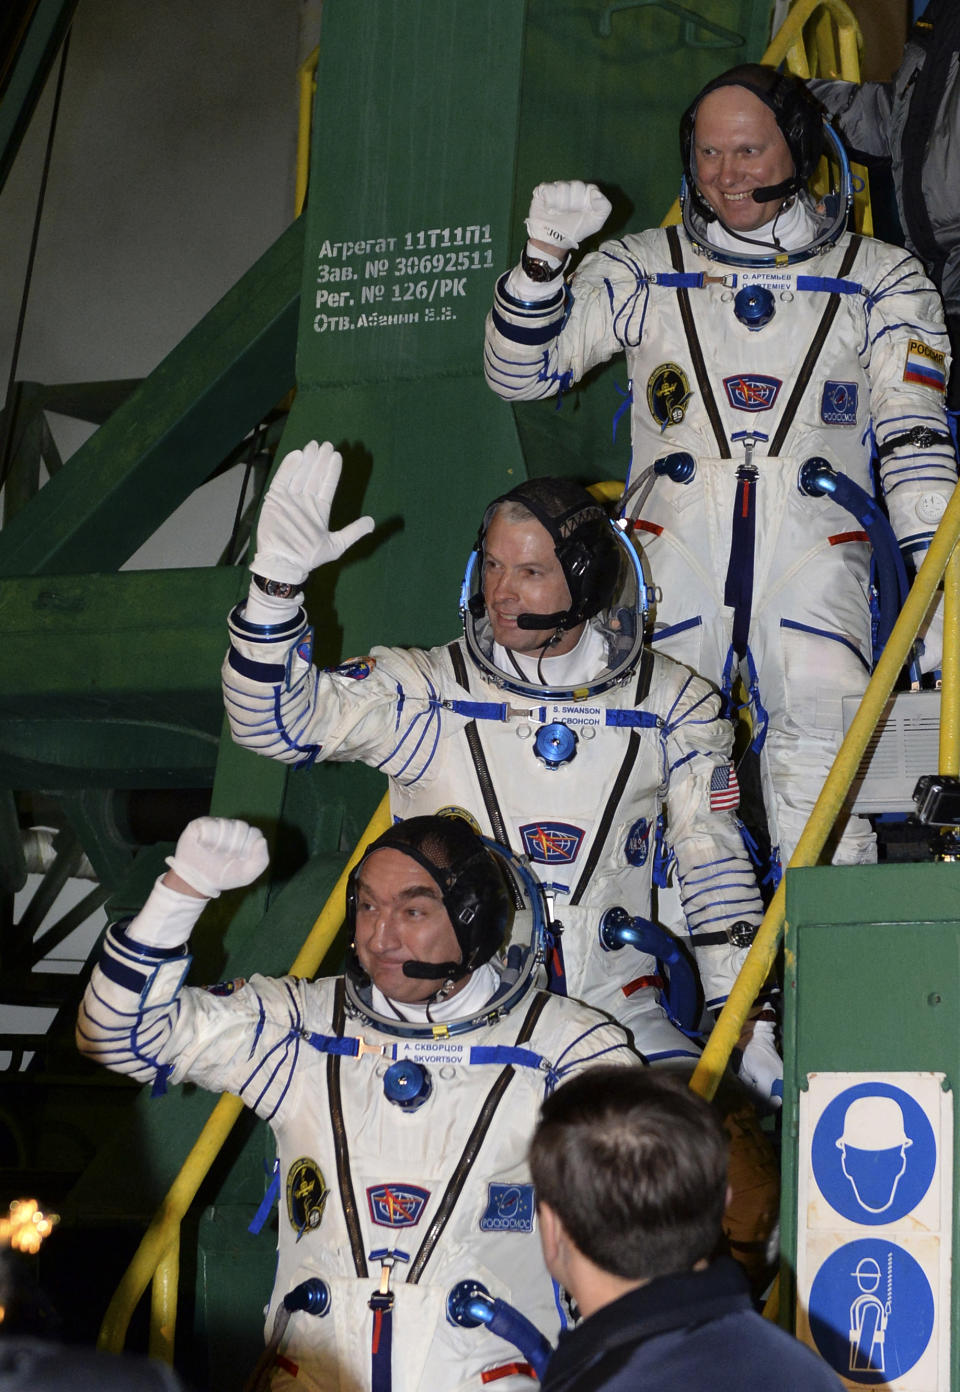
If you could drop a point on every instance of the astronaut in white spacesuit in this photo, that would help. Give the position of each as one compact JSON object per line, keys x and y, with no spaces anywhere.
{"x":758,"y":336}
{"x":402,"y":1098}
{"x":549,"y":724}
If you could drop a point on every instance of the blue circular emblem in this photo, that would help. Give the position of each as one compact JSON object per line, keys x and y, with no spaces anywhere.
{"x":871,"y":1311}
{"x":873,"y":1154}
{"x":637,"y":846}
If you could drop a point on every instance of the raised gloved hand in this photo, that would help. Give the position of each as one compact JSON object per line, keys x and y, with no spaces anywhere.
{"x":563,"y":213}
{"x":213,"y":853}
{"x":217,"y":853}
{"x":293,"y":533}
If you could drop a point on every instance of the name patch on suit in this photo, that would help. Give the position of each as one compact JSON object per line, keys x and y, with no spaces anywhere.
{"x":306,"y":1195}
{"x":751,"y":391}
{"x":438,"y":1051}
{"x":510,"y":1208}
{"x":925,"y":365}
{"x":576,"y":713}
{"x":396,"y":1205}
{"x":552,"y":843}
{"x":839,"y":402}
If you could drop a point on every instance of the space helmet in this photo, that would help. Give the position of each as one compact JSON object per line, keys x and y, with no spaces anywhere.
{"x":604,"y":575}
{"x":494,"y":903}
{"x":808,"y":135}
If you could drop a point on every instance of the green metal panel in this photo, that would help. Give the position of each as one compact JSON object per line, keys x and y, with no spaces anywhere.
{"x":604,"y":85}
{"x":407,"y":223}
{"x":24,"y":80}
{"x":164,"y":441}
{"x":872,"y":984}
{"x":112,"y":680}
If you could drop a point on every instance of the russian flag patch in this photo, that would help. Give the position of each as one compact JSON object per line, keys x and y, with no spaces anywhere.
{"x":724,"y":789}
{"x":925,"y":365}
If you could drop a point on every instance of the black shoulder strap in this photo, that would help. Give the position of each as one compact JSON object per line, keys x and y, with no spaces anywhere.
{"x":472,"y":1148}
{"x":616,"y":792}
{"x":340,"y":1143}
{"x":696,"y":352}
{"x":813,"y":352}
{"x":481,"y":767}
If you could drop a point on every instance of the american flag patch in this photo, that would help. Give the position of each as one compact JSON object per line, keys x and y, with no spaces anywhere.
{"x":925,"y":365}
{"x":724,"y":789}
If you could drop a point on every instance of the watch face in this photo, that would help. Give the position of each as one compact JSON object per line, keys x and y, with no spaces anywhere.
{"x":278,"y":589}
{"x":540,"y":270}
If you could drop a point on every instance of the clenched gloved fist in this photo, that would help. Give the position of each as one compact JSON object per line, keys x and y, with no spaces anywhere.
{"x":217,"y":853}
{"x":293,"y":533}
{"x":563,"y":213}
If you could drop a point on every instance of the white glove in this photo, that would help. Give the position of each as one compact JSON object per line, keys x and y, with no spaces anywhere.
{"x":931,"y":635}
{"x":216,"y":853}
{"x":562,"y":213}
{"x":167,"y":918}
{"x":293,"y":533}
{"x":761,"y":1067}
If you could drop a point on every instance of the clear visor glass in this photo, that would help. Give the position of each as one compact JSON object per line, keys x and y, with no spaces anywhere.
{"x":619,"y":630}
{"x":521,"y":961}
{"x":830,"y":196}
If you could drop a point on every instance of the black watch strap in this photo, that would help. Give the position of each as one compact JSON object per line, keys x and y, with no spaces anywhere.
{"x":920,"y":437}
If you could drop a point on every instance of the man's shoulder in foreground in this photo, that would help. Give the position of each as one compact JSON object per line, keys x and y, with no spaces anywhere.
{"x":696,"y":1330}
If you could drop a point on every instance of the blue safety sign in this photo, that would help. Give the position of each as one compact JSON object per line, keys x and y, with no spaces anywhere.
{"x":874,"y":1153}
{"x":871,"y":1311}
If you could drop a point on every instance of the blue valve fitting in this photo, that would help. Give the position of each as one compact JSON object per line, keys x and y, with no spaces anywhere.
{"x":407,"y":1084}
{"x":469,"y":1304}
{"x":754,"y":306}
{"x":312,"y":1296}
{"x":816,"y":477}
{"x":555,"y":744}
{"x":680,"y":466}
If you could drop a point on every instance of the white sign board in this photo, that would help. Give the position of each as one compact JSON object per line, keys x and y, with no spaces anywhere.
{"x":874,"y":1222}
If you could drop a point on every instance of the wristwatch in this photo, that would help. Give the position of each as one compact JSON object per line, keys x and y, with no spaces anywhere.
{"x":540,"y":270}
{"x":277,"y":589}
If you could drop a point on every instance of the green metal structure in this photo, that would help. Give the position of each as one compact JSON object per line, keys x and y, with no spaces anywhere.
{"x":433,"y":121}
{"x":873,"y":984}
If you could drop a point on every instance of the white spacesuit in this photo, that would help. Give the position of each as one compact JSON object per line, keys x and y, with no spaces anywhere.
{"x":747,"y":356}
{"x":401,"y":1125}
{"x":597,"y":765}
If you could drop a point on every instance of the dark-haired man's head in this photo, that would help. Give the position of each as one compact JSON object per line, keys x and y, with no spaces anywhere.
{"x":630,"y":1169}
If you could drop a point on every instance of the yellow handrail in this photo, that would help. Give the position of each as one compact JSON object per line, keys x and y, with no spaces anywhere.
{"x":949,"y":753}
{"x":157,"y":1257}
{"x":829,"y":804}
{"x":307,"y":79}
